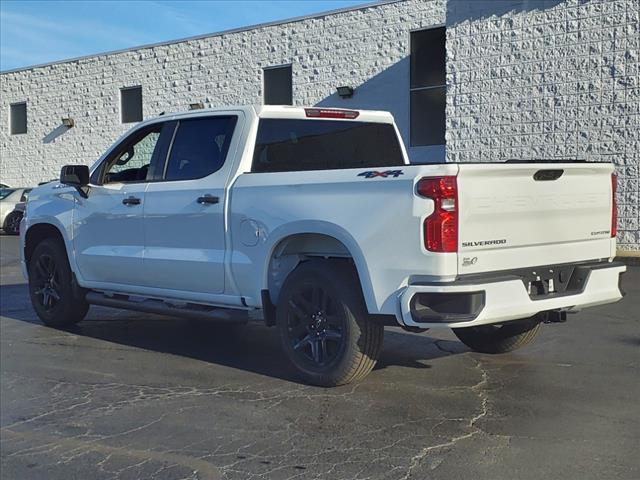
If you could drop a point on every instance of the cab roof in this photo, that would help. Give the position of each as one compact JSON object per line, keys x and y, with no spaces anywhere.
{"x":286,"y":112}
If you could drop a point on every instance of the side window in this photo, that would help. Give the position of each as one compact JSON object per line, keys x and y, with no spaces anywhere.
{"x":199,"y":147}
{"x":132,"y":161}
{"x":5,"y":192}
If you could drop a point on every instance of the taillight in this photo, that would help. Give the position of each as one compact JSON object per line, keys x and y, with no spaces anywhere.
{"x":441,"y":227}
{"x":331,"y":113}
{"x":614,"y":205}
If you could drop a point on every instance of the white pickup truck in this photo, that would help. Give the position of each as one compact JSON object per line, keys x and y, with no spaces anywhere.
{"x":314,"y":220}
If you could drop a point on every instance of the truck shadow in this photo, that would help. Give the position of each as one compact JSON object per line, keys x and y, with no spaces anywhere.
{"x":252,"y":347}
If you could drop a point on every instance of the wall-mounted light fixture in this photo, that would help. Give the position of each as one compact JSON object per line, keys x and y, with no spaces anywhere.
{"x":345,"y":91}
{"x":196,"y":106}
{"x":68,"y":122}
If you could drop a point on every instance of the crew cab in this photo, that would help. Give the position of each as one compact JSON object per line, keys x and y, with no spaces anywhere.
{"x":314,"y":220}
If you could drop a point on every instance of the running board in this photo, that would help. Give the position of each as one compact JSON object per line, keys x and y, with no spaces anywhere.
{"x":160,"y":307}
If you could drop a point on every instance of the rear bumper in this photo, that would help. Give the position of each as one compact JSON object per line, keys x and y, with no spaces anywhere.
{"x":503,"y":297}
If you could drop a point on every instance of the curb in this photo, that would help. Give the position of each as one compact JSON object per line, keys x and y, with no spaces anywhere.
{"x":632,"y":260}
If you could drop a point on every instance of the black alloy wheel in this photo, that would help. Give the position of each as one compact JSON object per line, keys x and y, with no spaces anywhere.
{"x":54,"y":296}
{"x":315,"y":325}
{"x":12,"y":223}
{"x":46,"y":280}
{"x":324,"y":326}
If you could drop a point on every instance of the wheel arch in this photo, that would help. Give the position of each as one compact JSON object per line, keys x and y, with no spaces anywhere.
{"x":38,"y":232}
{"x":296,"y":243}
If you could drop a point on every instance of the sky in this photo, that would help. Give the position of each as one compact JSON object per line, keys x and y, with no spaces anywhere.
{"x":34,"y":32}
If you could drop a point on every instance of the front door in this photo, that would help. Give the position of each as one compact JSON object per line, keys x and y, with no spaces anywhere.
{"x":184,"y":223}
{"x":108,"y":231}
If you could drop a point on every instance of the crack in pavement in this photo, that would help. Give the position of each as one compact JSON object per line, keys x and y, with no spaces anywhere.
{"x":205,"y":470}
{"x":480,"y":389}
{"x":244,"y":458}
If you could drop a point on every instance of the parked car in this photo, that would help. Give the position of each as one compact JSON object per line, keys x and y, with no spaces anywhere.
{"x":12,"y":222}
{"x":4,"y":185}
{"x":314,"y":219}
{"x":9,"y":198}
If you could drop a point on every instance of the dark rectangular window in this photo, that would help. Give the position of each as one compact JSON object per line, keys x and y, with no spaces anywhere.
{"x":428,"y":89}
{"x":131,"y":104}
{"x":18,"y":118}
{"x":297,"y":145}
{"x":278,"y":86}
{"x":200,"y":147}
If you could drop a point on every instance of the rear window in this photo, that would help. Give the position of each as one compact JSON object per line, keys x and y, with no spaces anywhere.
{"x":298,"y":145}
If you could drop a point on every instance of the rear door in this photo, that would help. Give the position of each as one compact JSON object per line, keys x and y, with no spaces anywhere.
{"x":518,"y":215}
{"x":184,"y":224}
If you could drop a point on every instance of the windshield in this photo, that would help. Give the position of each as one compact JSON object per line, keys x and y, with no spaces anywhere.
{"x":5,"y":192}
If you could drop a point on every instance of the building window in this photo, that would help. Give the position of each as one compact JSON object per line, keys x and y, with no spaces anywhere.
{"x":131,"y":104}
{"x":428,"y":90}
{"x":277,"y":86}
{"x":18,"y":118}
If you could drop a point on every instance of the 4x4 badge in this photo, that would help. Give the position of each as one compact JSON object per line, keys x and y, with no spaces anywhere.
{"x":386,"y":174}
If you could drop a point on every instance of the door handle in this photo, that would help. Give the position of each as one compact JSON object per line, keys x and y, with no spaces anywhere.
{"x":131,"y":201}
{"x":208,"y":200}
{"x":546,"y":175}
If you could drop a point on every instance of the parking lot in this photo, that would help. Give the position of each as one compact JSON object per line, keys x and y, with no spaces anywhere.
{"x":127,"y":395}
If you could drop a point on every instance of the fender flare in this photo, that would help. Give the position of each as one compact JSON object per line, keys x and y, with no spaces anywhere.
{"x":54,"y":223}
{"x":328,"y":229}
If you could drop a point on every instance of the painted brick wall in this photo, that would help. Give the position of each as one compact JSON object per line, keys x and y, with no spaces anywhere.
{"x":353,"y":48}
{"x":554,"y":79}
{"x":525,"y":79}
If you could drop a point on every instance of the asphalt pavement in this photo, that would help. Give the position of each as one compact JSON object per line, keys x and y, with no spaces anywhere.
{"x":135,"y":396}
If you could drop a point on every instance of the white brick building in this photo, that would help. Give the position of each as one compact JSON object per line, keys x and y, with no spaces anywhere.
{"x":525,"y":79}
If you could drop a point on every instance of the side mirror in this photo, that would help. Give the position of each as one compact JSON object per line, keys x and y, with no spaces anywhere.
{"x":75,"y":176}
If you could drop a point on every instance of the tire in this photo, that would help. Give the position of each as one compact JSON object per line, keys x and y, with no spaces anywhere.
{"x":51,"y":288}
{"x":499,"y":338}
{"x":12,"y":223}
{"x":324,"y":326}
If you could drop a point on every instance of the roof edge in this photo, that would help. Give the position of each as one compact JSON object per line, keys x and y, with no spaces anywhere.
{"x":364,"y":6}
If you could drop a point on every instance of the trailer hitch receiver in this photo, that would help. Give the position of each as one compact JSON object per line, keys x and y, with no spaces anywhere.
{"x":555,"y":316}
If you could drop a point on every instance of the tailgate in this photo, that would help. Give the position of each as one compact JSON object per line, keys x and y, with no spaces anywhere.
{"x":515,"y":215}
